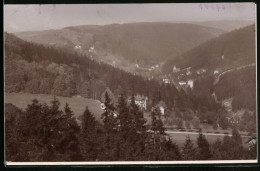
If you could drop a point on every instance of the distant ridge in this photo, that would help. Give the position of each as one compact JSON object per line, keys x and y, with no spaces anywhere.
{"x":225,"y":24}
{"x":142,"y":43}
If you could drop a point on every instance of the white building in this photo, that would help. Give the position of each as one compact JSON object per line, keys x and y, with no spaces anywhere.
{"x":190,"y":83}
{"x":216,"y":72}
{"x":175,"y":69}
{"x":162,"y":106}
{"x":188,"y":72}
{"x":141,"y":101}
{"x":166,"y":81}
{"x":200,"y":71}
{"x":161,"y":110}
{"x":77,"y":47}
{"x":182,"y":83}
{"x":91,"y":49}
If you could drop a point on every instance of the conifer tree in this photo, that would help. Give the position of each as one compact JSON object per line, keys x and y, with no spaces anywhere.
{"x":169,"y":150}
{"x":157,"y":125}
{"x":124,"y":116}
{"x":109,"y":119}
{"x":90,"y":139}
{"x":204,"y":152}
{"x":69,"y":141}
{"x":216,"y":149}
{"x":188,"y":151}
{"x":111,"y":143}
{"x":139,"y":133}
{"x":155,"y":149}
{"x":236,"y":136}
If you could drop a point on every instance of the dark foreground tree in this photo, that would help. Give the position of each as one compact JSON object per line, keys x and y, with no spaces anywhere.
{"x":45,"y":133}
{"x":188,"y":151}
{"x":110,"y":145}
{"x":203,"y":149}
{"x":90,"y":137}
{"x":69,"y":140}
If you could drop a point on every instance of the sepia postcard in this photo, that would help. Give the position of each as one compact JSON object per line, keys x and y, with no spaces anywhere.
{"x":153,"y":83}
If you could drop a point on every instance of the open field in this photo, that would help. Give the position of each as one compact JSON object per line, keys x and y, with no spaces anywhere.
{"x":180,"y":137}
{"x":78,"y":104}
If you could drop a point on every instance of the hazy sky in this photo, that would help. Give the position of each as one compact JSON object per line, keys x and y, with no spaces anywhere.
{"x":41,"y":17}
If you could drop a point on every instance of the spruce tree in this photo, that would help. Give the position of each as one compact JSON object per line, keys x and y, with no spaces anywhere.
{"x":109,"y":120}
{"x":110,"y":141}
{"x":124,"y":116}
{"x":236,"y":136}
{"x":188,"y":151}
{"x":204,"y":152}
{"x":139,"y":133}
{"x":217,"y":150}
{"x":69,"y":136}
{"x":169,"y":151}
{"x":90,"y":140}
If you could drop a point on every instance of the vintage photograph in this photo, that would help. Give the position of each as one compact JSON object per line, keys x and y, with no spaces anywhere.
{"x":153,"y":83}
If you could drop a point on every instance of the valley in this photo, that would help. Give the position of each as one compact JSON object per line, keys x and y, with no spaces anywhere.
{"x":127,"y":45}
{"x":126,"y":91}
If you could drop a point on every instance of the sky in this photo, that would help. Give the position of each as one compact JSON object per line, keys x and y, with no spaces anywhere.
{"x":19,"y":18}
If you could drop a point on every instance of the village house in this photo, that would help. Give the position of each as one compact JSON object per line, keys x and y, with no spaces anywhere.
{"x":175,"y":69}
{"x":181,"y":76}
{"x":141,"y":101}
{"x":92,"y":49}
{"x":77,"y":47}
{"x":216,"y":72}
{"x":182,"y":83}
{"x":162,"y":106}
{"x":166,"y":81}
{"x":190,"y":83}
{"x":201,"y":71}
{"x":188,"y":73}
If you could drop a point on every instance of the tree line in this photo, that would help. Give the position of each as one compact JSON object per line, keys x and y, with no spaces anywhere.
{"x":47,"y":133}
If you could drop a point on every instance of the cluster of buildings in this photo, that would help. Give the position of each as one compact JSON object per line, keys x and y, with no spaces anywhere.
{"x":183,"y":78}
{"x":140,"y":100}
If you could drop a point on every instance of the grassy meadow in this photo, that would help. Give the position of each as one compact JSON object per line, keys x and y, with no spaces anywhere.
{"x":77,"y":103}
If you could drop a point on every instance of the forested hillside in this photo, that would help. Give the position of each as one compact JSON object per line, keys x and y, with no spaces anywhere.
{"x":141,"y":43}
{"x":239,"y":85}
{"x":38,"y":69}
{"x":229,"y":50}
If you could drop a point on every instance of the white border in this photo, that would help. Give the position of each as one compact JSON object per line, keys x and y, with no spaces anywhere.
{"x":131,"y":162}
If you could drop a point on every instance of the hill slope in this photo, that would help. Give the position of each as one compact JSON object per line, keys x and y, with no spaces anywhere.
{"x":142,"y":43}
{"x":37,"y":69}
{"x":226,"y":25}
{"x":229,"y":50}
